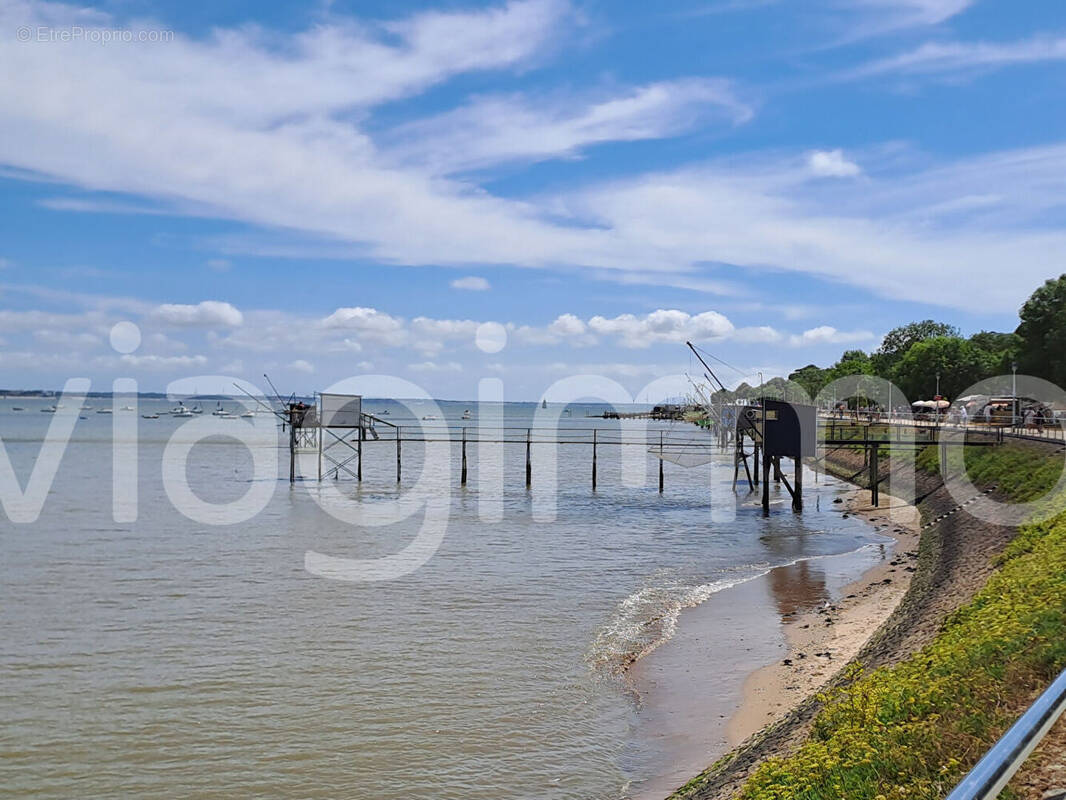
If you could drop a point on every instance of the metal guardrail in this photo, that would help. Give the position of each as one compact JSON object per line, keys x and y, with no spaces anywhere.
{"x":999,"y":764}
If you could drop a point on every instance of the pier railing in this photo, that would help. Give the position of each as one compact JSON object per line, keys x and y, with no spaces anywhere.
{"x":992,"y":773}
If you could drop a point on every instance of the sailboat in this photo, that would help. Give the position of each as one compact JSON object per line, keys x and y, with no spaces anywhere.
{"x":180,"y":410}
{"x":544,"y":403}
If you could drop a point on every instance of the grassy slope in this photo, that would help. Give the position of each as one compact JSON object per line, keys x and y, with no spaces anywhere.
{"x":913,"y":729}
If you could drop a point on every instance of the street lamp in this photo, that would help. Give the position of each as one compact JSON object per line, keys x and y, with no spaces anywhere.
{"x":1013,"y":394}
{"x":937,"y":398}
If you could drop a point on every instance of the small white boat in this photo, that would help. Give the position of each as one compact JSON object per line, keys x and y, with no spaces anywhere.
{"x":128,"y":408}
{"x":17,"y":408}
{"x":196,"y":409}
{"x":429,"y":416}
{"x":150,"y":416}
{"x":183,"y":413}
{"x":248,"y":415}
{"x":383,"y":413}
{"x":103,"y":411}
{"x":466,"y":414}
{"x":49,"y":410}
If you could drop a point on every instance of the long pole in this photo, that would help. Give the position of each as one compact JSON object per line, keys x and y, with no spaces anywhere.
{"x":660,"y":462}
{"x":529,"y":460}
{"x":1013,"y":393}
{"x":462,"y":478}
{"x":593,"y":459}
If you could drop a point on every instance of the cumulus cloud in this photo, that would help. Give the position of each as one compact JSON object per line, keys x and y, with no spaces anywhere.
{"x":826,"y":334}
{"x":366,"y":320}
{"x":432,"y":366}
{"x":832,"y":164}
{"x":208,"y":314}
{"x":471,"y":283}
{"x":664,"y":325}
{"x":300,"y":365}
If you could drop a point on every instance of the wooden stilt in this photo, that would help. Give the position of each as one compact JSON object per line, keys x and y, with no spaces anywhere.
{"x":462,"y":473}
{"x":398,"y":463}
{"x":594,"y":460}
{"x":755,"y":456}
{"x":660,"y":462}
{"x":529,"y":460}
{"x":797,"y":496}
{"x":875,"y":498}
{"x":292,"y":451}
{"x":765,"y":485}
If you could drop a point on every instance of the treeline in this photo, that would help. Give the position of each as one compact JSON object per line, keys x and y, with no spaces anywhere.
{"x":911,"y":356}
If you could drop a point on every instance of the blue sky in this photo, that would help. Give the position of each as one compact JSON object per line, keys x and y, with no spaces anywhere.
{"x":323,"y":191}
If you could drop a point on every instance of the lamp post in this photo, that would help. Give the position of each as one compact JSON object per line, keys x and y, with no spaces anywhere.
{"x":1013,"y":394}
{"x":937,"y":398}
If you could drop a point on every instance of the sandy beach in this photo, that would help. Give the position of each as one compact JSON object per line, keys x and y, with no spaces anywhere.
{"x":821,"y":641}
{"x":767,"y":663}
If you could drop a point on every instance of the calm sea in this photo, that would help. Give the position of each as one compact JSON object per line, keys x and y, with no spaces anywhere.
{"x":170,"y":658}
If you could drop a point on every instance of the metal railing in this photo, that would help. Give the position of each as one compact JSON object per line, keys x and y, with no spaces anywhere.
{"x":999,"y":764}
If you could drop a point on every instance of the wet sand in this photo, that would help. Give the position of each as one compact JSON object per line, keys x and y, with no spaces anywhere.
{"x":822,"y":640}
{"x":765,"y":663}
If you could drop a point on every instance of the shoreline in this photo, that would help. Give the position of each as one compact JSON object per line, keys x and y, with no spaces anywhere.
{"x":820,"y":642}
{"x":769,"y":662}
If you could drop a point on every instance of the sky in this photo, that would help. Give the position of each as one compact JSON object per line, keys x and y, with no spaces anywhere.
{"x":525,"y":190}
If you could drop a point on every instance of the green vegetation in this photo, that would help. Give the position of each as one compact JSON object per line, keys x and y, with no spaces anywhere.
{"x":1042,"y":350}
{"x":913,"y":729}
{"x":911,"y":355}
{"x":1018,"y":472}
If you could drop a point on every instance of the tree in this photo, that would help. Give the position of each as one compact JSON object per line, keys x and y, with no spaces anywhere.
{"x":852,"y":362}
{"x":812,"y":378}
{"x":959,"y":361}
{"x":899,"y":340}
{"x":1002,"y":348}
{"x":1042,"y":350}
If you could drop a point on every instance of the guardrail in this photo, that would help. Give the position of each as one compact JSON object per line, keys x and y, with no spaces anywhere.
{"x":994,"y":771}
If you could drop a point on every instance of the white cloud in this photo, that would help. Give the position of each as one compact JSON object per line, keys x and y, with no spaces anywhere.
{"x":826,"y":334}
{"x":909,"y":13}
{"x":471,"y":283}
{"x":208,"y":314}
{"x":879,"y":17}
{"x":498,"y":129}
{"x":761,"y":334}
{"x":300,"y":365}
{"x":664,"y":325}
{"x":365,"y":320}
{"x":832,"y":164}
{"x":219,"y":264}
{"x":431,"y":366}
{"x":952,"y":57}
{"x":155,"y":362}
{"x":276,"y":141}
